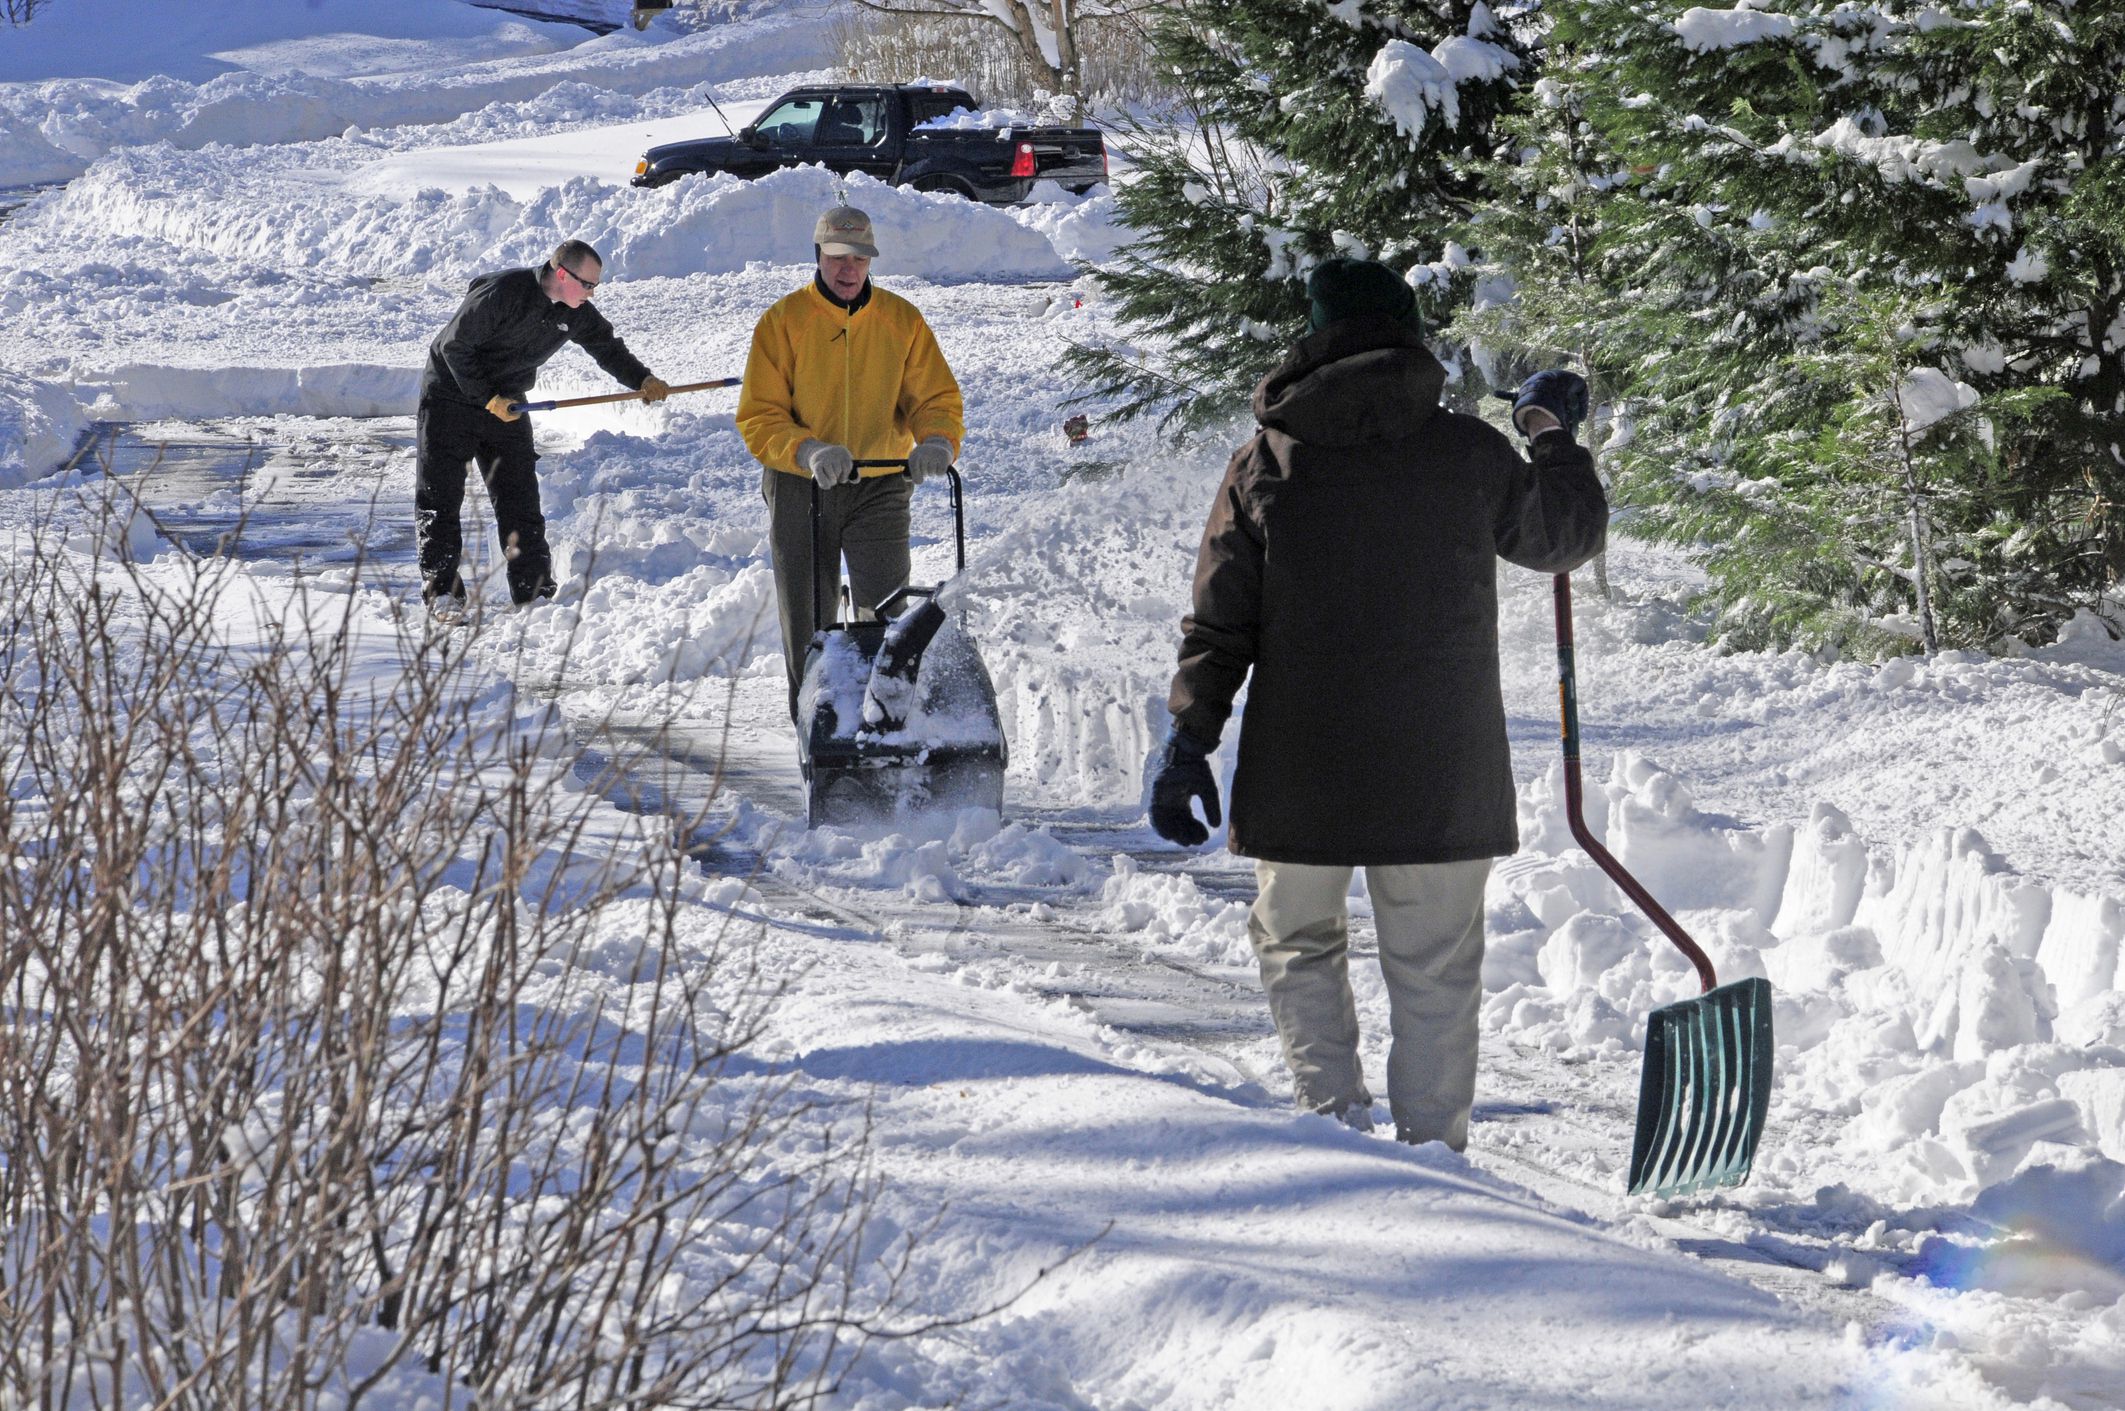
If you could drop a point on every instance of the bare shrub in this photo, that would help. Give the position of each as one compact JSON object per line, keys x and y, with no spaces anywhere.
{"x":1113,"y":61}
{"x":21,"y":11}
{"x":343,"y":1050}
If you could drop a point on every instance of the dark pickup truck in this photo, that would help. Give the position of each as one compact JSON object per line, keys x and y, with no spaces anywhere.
{"x":905,"y":135}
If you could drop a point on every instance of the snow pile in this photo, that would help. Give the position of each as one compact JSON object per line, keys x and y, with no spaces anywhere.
{"x":185,"y":40}
{"x":1082,"y":229}
{"x":977,"y":120}
{"x":55,"y":128}
{"x":714,"y":226}
{"x":149,"y":392}
{"x":722,"y":224}
{"x":941,"y":858}
{"x":1966,"y":1018}
{"x":1172,"y":911}
{"x":39,"y":426}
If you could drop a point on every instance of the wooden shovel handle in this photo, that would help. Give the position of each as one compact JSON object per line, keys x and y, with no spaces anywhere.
{"x":620,"y":396}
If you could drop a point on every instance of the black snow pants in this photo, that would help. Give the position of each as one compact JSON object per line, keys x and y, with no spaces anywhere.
{"x":449,"y":436}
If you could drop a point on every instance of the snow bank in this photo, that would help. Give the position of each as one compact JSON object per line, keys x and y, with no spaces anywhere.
{"x":40,"y":423}
{"x":54,"y":129}
{"x":145,"y":392}
{"x":1082,"y":229}
{"x":129,"y":40}
{"x":192,"y":200}
{"x":1965,"y":1016}
{"x":724,"y":223}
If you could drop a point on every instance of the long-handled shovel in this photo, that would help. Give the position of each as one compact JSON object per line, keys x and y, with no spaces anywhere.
{"x":620,"y":396}
{"x":1706,"y":1087}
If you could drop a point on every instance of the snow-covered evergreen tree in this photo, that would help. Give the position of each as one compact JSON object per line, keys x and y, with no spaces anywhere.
{"x":2006,"y":119}
{"x":1959,"y":163}
{"x":1556,"y":242}
{"x":1308,"y":129}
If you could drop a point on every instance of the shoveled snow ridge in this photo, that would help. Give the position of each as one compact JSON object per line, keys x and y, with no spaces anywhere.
{"x":712,"y":226}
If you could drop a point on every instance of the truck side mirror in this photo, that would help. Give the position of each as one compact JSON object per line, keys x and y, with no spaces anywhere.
{"x":750,"y":136}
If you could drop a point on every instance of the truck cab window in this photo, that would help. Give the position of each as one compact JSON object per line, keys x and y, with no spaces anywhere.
{"x":852,"y":122}
{"x":790,"y":124}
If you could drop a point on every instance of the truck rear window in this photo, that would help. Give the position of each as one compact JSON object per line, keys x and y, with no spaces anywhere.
{"x":929,"y":109}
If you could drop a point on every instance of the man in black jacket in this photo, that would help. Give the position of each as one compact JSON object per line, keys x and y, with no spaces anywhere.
{"x":480,"y":365}
{"x":1349,"y":566}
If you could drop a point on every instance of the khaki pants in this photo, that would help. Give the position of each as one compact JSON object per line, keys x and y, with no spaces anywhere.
{"x":1430,"y":922}
{"x":866,"y":522}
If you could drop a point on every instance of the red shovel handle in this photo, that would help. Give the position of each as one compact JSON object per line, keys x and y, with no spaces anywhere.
{"x":1568,"y":708}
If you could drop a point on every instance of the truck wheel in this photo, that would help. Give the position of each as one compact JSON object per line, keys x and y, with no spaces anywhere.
{"x":946,"y":184}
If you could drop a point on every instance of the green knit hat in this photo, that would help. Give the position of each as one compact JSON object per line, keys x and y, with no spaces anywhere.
{"x":1344,"y":288}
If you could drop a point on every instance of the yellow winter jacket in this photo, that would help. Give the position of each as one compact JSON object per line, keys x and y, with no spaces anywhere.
{"x":874,"y":380}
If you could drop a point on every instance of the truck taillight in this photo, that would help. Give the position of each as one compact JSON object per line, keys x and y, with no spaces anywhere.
{"x":1022,"y":163}
{"x":1103,"y":159}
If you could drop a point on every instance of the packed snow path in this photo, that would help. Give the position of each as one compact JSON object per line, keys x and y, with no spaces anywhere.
{"x":318,"y":494}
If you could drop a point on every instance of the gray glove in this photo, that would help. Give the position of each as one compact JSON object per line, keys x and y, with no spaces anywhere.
{"x":828,"y":463}
{"x":932,"y":457}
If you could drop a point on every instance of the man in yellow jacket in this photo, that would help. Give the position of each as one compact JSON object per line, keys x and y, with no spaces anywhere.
{"x":842,"y":371}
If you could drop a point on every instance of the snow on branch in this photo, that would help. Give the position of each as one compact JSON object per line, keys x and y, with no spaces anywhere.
{"x":1702,"y":31}
{"x":1409,"y":85}
{"x":1927,"y":396}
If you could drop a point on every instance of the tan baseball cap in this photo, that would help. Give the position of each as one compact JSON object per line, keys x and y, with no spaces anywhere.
{"x":845,"y":231}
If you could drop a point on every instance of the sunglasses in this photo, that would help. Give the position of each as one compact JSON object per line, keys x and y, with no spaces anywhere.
{"x":588,"y":284}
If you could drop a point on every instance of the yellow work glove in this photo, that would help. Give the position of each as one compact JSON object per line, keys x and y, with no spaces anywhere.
{"x":502,"y":405}
{"x":654,"y":389}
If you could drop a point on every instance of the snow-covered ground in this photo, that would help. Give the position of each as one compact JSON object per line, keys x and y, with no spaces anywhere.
{"x":1053,"y":1016}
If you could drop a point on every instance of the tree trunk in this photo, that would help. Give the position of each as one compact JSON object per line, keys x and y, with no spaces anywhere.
{"x":1921,"y":549}
{"x":1029,"y":41}
{"x":1070,"y":77}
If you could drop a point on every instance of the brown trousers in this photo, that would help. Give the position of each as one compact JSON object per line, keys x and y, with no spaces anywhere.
{"x":865,"y":522}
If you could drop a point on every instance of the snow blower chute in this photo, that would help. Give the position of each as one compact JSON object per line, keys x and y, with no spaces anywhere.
{"x":1706,"y":1087}
{"x":896,"y":713}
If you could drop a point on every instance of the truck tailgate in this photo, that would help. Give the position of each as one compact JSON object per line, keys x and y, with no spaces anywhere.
{"x":1072,"y":156}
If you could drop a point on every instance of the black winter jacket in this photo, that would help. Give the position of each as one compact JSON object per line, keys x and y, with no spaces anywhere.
{"x":1349,"y":563}
{"x":502,"y":333}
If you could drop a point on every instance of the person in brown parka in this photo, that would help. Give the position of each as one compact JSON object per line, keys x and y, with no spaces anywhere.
{"x":1349,"y":569}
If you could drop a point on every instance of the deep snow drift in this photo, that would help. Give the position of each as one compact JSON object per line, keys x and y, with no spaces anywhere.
{"x":1921,"y":855}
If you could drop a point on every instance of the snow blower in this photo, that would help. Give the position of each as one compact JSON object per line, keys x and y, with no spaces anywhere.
{"x":896,"y":714}
{"x":1706,"y":1087}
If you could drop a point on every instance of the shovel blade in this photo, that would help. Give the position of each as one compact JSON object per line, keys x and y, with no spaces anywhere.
{"x":1705,"y":1091}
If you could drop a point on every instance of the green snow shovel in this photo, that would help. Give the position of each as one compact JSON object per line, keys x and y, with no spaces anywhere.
{"x":1707,"y":1082}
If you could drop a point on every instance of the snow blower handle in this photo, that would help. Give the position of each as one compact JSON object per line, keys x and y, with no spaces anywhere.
{"x":1568,"y":709}
{"x":959,"y":511}
{"x":521,"y":407}
{"x":959,"y":528}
